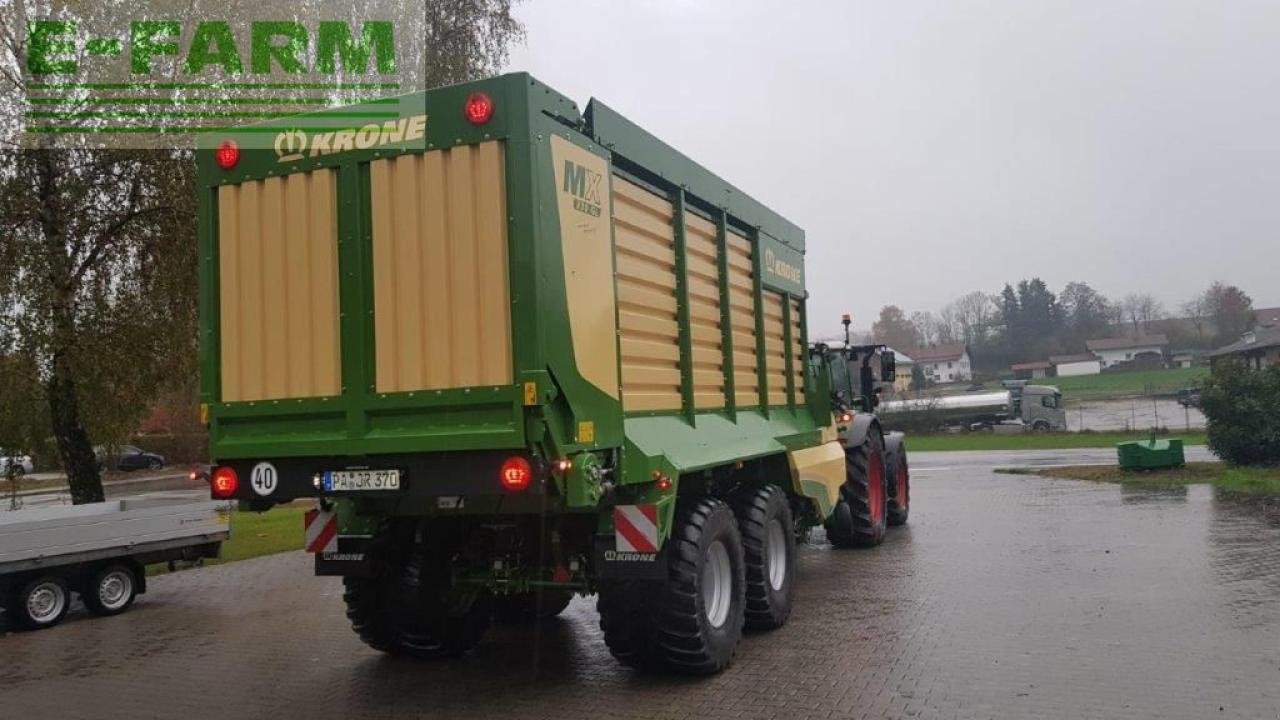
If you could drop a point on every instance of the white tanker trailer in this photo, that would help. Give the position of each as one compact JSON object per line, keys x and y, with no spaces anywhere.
{"x":1035,"y":407}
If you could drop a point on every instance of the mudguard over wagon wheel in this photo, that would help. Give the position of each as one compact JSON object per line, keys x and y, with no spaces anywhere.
{"x":691,"y":621}
{"x":861,"y":516}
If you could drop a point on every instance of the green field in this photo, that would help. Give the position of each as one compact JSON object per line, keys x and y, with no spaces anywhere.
{"x":1102,"y":386}
{"x":254,"y":534}
{"x":1243,"y":480}
{"x":1031,"y":441}
{"x":1123,"y":384}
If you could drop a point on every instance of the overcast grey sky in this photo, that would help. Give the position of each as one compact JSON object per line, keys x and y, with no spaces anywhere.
{"x":958,"y":145}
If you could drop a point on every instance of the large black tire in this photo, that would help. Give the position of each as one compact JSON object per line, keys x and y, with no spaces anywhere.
{"x":111,"y":590}
{"x":899,"y":488}
{"x":769,"y":550}
{"x":409,"y":610}
{"x":692,"y":621}
{"x":531,"y":607}
{"x":860,"y":517}
{"x":40,"y":603}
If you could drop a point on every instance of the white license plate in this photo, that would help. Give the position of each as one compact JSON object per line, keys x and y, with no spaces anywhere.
{"x":360,"y":480}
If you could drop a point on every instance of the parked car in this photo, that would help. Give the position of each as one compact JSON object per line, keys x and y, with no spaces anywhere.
{"x":1189,"y":397}
{"x":129,"y":457}
{"x":22,"y":462}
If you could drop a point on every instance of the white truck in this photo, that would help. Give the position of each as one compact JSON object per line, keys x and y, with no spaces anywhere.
{"x":1037,"y":408}
{"x":100,"y":551}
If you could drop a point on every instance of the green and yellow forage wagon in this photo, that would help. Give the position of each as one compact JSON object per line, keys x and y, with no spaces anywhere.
{"x":517,"y":351}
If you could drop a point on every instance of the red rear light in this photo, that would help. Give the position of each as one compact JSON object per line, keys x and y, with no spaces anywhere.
{"x":227,"y":154}
{"x":479,"y":108}
{"x":224,"y":483}
{"x":516,"y":474}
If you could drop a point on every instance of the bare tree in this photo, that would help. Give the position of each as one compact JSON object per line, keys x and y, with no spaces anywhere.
{"x":1197,"y":310}
{"x":1140,"y":310}
{"x":949,"y":330}
{"x":929,"y":326}
{"x":1231,"y":309}
{"x":974,"y":315}
{"x":894,"y":329}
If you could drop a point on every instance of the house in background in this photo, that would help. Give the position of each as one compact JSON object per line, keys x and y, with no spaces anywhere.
{"x":1032,"y":370}
{"x":1259,"y":348}
{"x":1267,"y":317}
{"x":1079,"y":364}
{"x":944,"y":363}
{"x":904,"y":363}
{"x":1122,"y":349}
{"x":1186,"y":358}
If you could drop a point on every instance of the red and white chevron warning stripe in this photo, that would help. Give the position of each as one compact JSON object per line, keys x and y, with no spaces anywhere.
{"x":321,"y":531}
{"x":635,"y":528}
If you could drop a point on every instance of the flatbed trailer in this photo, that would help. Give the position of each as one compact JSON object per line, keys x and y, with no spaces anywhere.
{"x":519,"y":350}
{"x":99,"y":550}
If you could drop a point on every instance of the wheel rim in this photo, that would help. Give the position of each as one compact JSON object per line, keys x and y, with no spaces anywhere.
{"x":46,"y":602}
{"x":875,"y":493}
{"x":777,"y":554}
{"x":114,"y":589}
{"x":717,"y":584}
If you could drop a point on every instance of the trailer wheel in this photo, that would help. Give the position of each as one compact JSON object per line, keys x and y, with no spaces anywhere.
{"x":900,"y":489}
{"x":112,"y":590}
{"x":769,"y":548}
{"x":40,"y":603}
{"x":861,"y":514}
{"x":531,"y":607}
{"x":408,"y":610}
{"x":692,"y":621}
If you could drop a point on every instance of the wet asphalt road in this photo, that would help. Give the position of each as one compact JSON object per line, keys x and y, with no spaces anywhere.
{"x":1006,"y":596}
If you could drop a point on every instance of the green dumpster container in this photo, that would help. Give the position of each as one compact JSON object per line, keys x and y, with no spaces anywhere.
{"x":1150,"y":454}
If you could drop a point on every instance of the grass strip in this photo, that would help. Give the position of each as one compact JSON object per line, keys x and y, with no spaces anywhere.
{"x":1261,"y":481}
{"x":934,"y":442}
{"x":255,"y":534}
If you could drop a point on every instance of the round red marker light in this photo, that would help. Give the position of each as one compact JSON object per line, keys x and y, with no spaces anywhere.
{"x":516,"y":474}
{"x":224,"y":483}
{"x":227,"y":154}
{"x":479,"y":108}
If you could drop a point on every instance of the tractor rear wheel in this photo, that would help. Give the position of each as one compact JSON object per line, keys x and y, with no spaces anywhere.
{"x":860,"y":517}
{"x":692,"y":621}
{"x":769,"y":548}
{"x":899,"y":489}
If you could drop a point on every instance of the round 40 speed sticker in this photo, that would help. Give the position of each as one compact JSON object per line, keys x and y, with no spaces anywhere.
{"x":264,"y":478}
